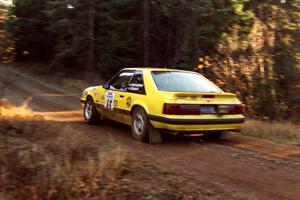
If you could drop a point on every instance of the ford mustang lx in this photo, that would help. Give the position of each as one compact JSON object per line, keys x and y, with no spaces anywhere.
{"x":163,"y":100}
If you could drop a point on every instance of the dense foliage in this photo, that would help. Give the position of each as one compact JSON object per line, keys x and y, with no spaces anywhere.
{"x":253,"y":45}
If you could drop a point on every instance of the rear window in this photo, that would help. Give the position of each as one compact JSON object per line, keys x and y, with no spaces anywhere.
{"x":176,"y":81}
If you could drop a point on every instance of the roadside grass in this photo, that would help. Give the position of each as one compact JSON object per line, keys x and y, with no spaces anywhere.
{"x":280,"y":132}
{"x":48,"y":160}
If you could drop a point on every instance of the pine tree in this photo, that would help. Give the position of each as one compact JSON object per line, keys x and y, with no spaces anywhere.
{"x":255,"y":45}
{"x":28,"y":26}
{"x":73,"y":26}
{"x":6,"y":43}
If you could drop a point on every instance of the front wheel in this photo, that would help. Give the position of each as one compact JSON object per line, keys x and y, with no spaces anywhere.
{"x":90,"y":113}
{"x":139,"y":122}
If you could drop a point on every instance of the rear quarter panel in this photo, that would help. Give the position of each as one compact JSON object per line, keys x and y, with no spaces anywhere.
{"x":154,"y":100}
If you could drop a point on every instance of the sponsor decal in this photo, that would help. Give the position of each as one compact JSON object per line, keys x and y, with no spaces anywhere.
{"x":109,"y":101}
{"x":128,"y":102}
{"x":135,"y":86}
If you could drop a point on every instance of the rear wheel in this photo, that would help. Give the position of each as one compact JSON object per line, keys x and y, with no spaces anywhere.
{"x":90,"y":113}
{"x":139,"y":123}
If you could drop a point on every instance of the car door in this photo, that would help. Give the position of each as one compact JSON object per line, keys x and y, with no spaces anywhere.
{"x":135,"y":91}
{"x":115,"y":94}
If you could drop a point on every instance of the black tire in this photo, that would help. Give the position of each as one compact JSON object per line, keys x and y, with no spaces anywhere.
{"x":91,"y":115}
{"x":139,"y":124}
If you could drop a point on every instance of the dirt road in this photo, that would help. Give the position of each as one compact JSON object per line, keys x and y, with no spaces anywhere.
{"x":236,"y":167}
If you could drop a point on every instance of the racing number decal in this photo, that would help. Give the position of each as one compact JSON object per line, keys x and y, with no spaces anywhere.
{"x":109,"y":100}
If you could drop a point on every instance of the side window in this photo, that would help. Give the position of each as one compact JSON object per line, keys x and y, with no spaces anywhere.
{"x":121,"y":82}
{"x":136,"y":84}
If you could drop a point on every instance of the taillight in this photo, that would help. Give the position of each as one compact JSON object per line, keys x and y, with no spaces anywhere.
{"x":197,"y":109}
{"x":233,"y":109}
{"x":237,"y":109}
{"x":178,"y":109}
{"x":170,"y":109}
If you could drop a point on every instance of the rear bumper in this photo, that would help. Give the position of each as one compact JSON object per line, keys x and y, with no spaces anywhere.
{"x":196,"y":121}
{"x":212,"y":124}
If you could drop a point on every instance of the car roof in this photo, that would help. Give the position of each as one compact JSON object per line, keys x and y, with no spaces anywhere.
{"x":154,"y":69}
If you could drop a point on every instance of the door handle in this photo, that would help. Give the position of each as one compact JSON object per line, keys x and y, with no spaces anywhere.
{"x":121,"y":96}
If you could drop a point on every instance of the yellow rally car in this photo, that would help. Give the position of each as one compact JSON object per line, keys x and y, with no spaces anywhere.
{"x":153,"y":101}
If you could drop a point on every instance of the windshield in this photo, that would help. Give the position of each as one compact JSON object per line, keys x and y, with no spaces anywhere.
{"x":177,"y":81}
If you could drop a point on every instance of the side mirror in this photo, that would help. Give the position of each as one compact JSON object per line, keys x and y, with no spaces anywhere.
{"x":106,"y":86}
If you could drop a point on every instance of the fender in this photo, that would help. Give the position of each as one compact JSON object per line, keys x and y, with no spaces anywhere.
{"x":141,"y":104}
{"x":90,"y":91}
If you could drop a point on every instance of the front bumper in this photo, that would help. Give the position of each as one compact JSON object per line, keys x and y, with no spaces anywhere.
{"x":82,"y":101}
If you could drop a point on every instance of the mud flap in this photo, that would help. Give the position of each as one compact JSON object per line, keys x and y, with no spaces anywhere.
{"x":153,"y":134}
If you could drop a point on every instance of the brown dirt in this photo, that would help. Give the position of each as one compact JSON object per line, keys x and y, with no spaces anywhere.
{"x":238,"y":167}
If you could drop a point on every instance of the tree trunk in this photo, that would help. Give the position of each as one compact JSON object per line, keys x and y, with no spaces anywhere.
{"x":91,"y":36}
{"x":146,"y":16}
